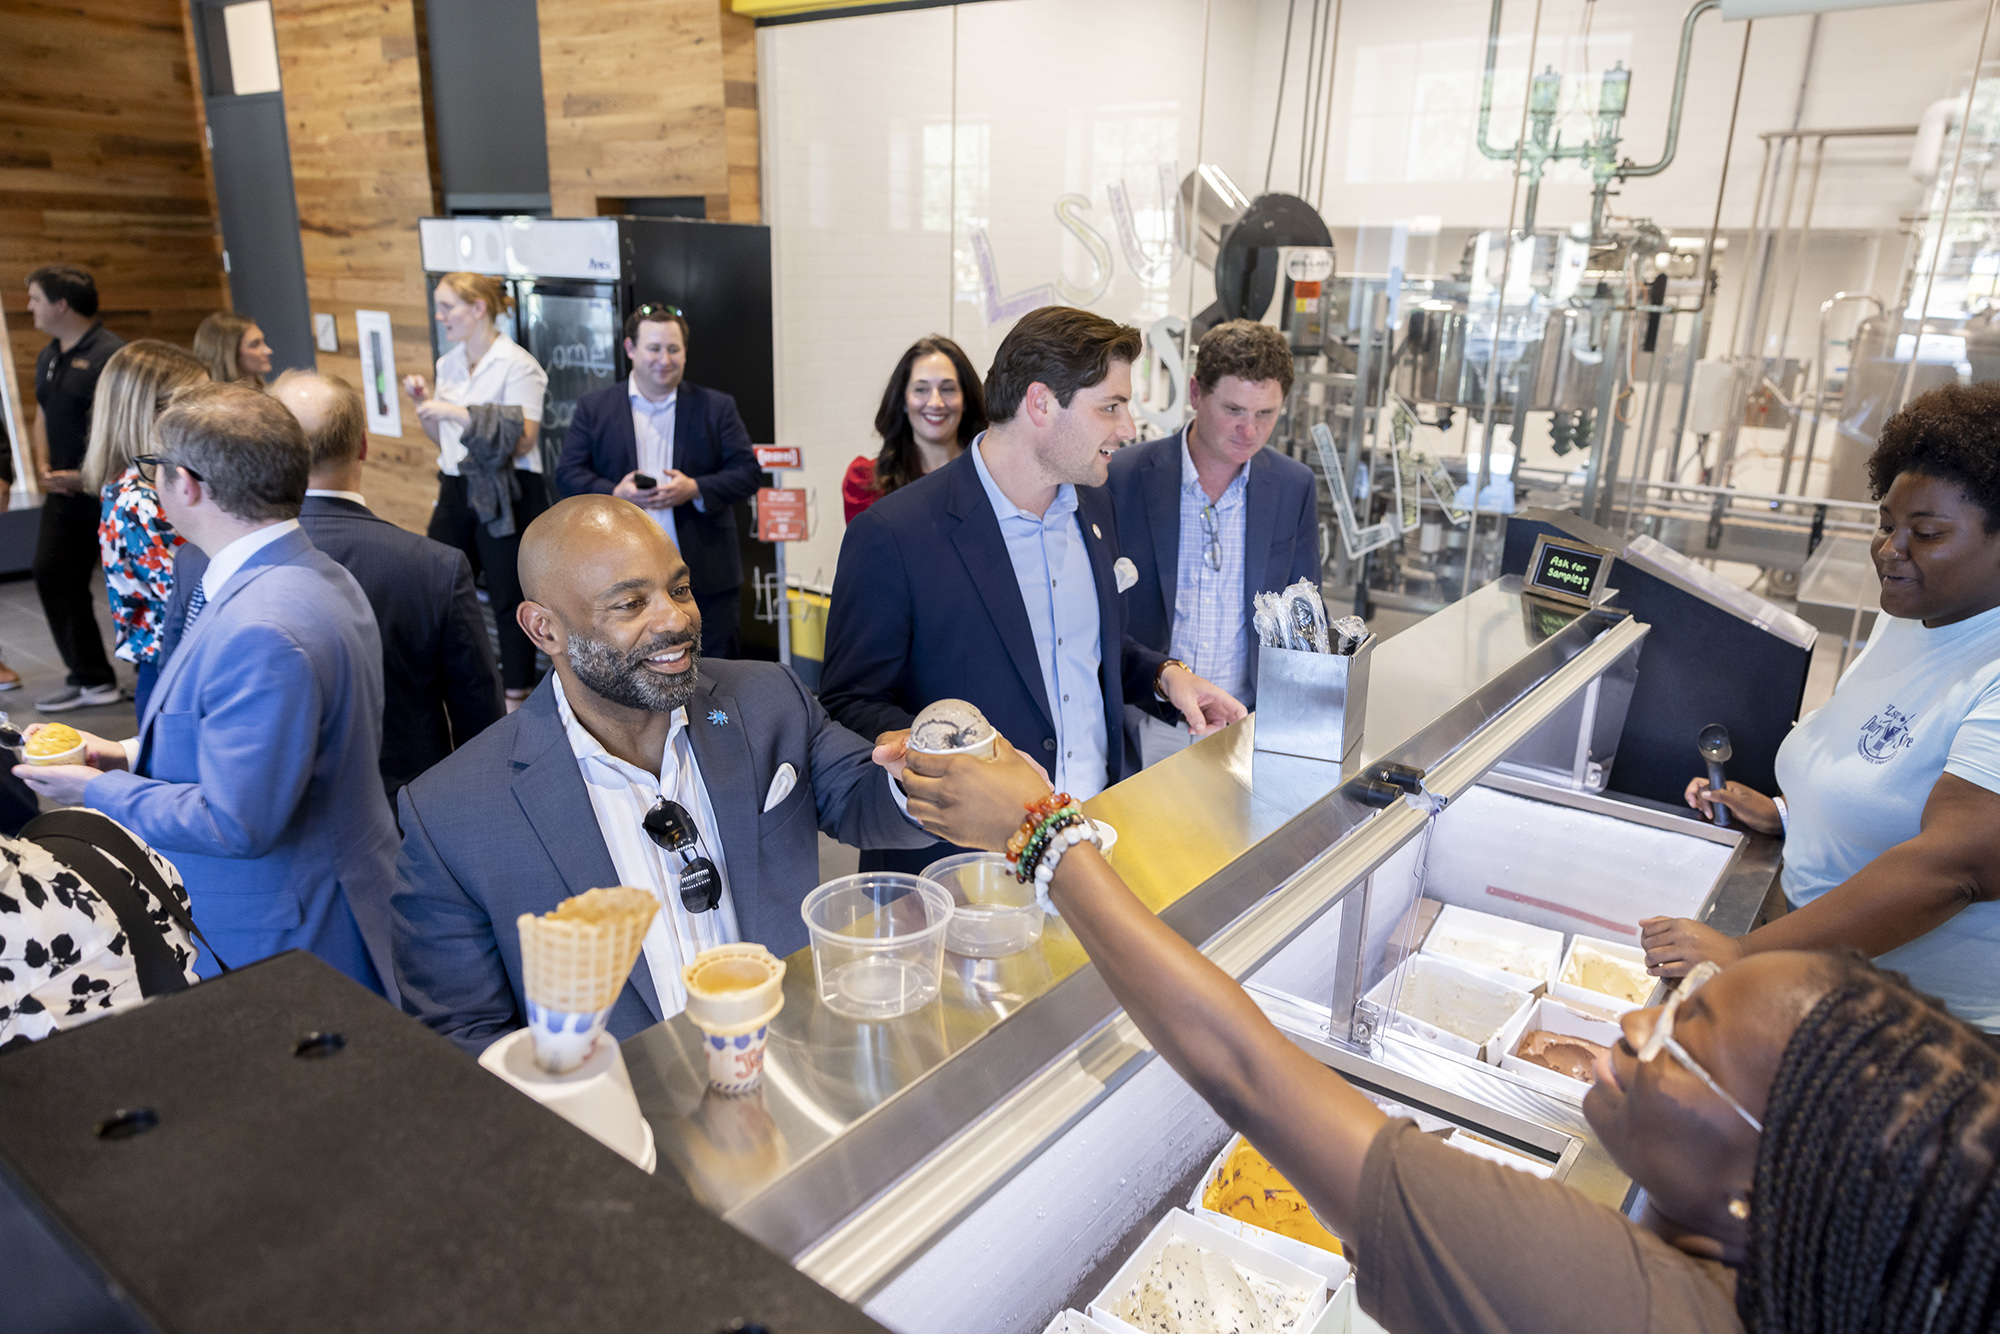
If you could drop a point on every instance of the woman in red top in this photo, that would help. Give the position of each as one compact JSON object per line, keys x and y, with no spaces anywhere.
{"x":931,"y":410}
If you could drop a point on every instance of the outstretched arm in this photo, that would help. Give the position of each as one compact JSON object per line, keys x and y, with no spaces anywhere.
{"x":1310,"y":1123}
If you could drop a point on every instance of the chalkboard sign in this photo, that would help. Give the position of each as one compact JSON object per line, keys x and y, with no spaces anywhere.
{"x":1565,"y":570}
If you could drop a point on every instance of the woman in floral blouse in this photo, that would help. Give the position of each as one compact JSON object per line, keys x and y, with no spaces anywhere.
{"x":134,"y":538}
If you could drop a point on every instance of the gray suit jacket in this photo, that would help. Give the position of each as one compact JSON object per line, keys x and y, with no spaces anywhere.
{"x":504,"y":826}
{"x":257,"y":768}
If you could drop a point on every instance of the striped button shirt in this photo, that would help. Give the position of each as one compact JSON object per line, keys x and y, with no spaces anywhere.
{"x":1211,"y":622}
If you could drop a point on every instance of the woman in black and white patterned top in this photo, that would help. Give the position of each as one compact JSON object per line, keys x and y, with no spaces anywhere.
{"x":64,"y":959}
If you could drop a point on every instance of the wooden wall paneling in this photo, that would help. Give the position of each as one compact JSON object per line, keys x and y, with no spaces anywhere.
{"x":361,"y":164}
{"x":102,"y":165}
{"x":633,"y":91}
{"x":739,"y":100}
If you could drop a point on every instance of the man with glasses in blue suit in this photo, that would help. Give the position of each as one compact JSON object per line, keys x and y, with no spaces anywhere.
{"x":1212,"y":516}
{"x":679,"y":452}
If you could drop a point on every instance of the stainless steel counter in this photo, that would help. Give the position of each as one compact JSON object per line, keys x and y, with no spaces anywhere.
{"x":868,"y":1139}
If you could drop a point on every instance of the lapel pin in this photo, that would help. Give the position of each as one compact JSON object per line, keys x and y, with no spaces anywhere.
{"x":718,"y":718}
{"x":1095,"y":531}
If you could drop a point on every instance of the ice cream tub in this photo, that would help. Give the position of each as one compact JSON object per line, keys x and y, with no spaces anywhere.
{"x":1605,"y":975}
{"x":1551,"y":1016}
{"x":953,"y":727}
{"x":1527,"y":956}
{"x":1472,"y":1011}
{"x":1302,"y":1291}
{"x":56,"y":743}
{"x":1074,"y":1322}
{"x":1328,"y":1265}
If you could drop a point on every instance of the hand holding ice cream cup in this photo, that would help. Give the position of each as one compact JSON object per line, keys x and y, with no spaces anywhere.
{"x":733,"y":994}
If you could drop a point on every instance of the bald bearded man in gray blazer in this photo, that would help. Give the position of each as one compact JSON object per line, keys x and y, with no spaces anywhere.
{"x":631,"y":738}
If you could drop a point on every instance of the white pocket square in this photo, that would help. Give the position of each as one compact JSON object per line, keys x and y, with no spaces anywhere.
{"x":1124,"y":573}
{"x":781,"y":786}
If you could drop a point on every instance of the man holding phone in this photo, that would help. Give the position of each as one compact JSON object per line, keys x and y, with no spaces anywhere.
{"x":676,"y":450}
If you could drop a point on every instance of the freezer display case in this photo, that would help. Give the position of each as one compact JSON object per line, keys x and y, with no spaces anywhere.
{"x":1000,"y":1155}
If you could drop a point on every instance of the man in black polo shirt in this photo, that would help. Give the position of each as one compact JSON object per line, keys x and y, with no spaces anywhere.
{"x":63,"y":301}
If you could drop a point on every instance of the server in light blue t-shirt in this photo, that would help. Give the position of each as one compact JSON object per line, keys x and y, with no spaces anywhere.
{"x":1891,"y":805}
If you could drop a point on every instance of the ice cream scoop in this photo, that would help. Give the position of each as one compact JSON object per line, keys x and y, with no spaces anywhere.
{"x":949,"y":726}
{"x":1713,"y":743}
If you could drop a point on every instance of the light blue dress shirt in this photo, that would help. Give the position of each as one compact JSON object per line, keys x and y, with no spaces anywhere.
{"x":1211,"y":624}
{"x":1059,"y":590}
{"x":653,"y":433}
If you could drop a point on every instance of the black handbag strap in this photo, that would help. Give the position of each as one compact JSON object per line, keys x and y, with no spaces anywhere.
{"x":103,"y":834}
{"x":152,"y":957}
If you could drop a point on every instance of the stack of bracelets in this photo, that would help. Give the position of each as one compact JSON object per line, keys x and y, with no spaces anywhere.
{"x":1054,"y":825}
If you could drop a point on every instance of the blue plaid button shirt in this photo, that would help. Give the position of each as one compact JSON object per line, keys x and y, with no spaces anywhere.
{"x":1211,"y":622}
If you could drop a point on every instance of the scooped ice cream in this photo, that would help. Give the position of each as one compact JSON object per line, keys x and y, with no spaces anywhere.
{"x":1189,"y":1290}
{"x":1250,"y":1190}
{"x":1564,"y":1053}
{"x":948,"y":725}
{"x":1607,"y":974}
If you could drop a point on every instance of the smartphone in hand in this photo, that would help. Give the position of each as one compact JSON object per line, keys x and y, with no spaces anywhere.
{"x":644,"y":481}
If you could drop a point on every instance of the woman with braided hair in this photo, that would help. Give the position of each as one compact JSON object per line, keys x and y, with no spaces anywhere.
{"x":1891,"y":804}
{"x":1816,"y":1141}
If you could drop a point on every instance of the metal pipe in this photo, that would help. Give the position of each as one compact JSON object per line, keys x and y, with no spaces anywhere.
{"x":1486,"y":89}
{"x":1819,"y":376}
{"x":1631,"y":168}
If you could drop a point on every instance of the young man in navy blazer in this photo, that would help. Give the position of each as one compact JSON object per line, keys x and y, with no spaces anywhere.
{"x":1211,"y":516}
{"x":998,"y":578}
{"x":689,"y":444}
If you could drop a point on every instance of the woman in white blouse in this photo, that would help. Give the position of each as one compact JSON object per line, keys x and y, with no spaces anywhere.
{"x":485,"y":368}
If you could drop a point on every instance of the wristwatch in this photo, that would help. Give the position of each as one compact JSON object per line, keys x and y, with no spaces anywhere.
{"x":1160,"y":675}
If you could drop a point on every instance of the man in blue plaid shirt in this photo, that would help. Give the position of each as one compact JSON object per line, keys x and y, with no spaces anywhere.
{"x":1212,"y":516}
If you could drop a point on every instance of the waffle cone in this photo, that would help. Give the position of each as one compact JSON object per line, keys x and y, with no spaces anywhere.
{"x":575,"y":960}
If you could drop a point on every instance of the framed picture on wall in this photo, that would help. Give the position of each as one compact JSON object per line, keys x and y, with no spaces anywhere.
{"x":379,"y":390}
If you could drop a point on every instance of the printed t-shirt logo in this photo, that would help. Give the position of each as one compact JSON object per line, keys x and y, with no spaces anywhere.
{"x":1885,"y":734}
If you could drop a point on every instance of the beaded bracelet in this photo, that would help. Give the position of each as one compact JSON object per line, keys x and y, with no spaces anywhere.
{"x":1038,"y":813}
{"x":1046,"y":834}
{"x":1039,"y":817}
{"x":1081,"y":832}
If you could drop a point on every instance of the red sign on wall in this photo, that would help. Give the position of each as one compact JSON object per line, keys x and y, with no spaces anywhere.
{"x":781,"y":514}
{"x":772,"y":458}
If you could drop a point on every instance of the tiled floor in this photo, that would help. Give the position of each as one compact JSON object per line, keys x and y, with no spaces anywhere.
{"x":26,"y":647}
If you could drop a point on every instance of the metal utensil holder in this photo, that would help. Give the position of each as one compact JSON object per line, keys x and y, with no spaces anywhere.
{"x":1312,"y":704}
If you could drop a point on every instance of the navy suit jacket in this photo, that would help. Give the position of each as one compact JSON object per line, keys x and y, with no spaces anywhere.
{"x":257,"y":767}
{"x":926,"y":607}
{"x":1280,"y":533}
{"x":711,"y":445}
{"x":441,"y":686}
{"x":504,"y":827}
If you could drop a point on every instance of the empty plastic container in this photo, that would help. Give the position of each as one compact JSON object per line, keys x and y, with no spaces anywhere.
{"x":877,"y":942}
{"x":992,"y":913}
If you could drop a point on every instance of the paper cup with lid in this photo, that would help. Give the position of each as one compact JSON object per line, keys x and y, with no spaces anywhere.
{"x":953,"y":727}
{"x":734,"y":992}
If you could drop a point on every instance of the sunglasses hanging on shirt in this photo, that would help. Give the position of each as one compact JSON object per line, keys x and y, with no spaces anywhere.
{"x":669,"y":825}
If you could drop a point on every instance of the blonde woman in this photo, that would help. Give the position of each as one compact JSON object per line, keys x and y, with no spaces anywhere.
{"x":232,"y":348}
{"x":134,"y":539}
{"x":486,"y":417}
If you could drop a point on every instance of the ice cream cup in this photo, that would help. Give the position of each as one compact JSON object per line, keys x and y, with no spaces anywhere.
{"x":71,"y":755}
{"x":562,"y":1039}
{"x":981,"y":749}
{"x":734,"y":992}
{"x":1107,"y":838}
{"x":736,"y":1061}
